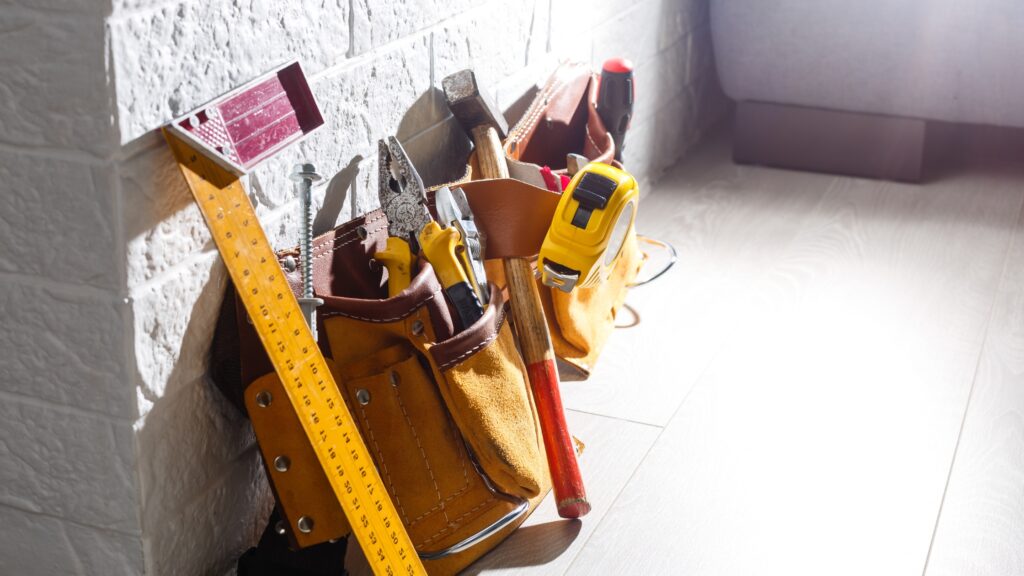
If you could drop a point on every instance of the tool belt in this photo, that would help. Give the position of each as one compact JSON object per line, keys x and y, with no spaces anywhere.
{"x":563,"y":120}
{"x":449,"y":419}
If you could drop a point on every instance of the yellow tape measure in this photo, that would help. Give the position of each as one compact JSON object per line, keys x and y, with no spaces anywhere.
{"x":299,"y":364}
{"x":590,"y":227}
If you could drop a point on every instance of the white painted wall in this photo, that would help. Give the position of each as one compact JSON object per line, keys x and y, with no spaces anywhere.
{"x":116,"y":455}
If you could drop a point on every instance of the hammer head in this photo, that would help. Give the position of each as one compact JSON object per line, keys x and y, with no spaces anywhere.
{"x":470,"y":105}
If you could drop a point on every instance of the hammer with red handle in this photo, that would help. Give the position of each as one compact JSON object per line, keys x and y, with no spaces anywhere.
{"x":486,"y":125}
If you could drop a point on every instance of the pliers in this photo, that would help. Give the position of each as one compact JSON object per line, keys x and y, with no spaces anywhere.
{"x":412,"y":231}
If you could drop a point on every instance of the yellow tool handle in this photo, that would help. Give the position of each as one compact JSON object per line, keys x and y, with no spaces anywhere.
{"x":298,"y":362}
{"x":439,"y":245}
{"x":397,"y":258}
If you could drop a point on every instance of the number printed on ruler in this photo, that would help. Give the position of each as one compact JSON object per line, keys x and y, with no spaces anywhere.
{"x":300,"y":365}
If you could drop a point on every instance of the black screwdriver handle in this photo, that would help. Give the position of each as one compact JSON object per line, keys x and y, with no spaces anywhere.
{"x":466,"y":303}
{"x":615,"y":100}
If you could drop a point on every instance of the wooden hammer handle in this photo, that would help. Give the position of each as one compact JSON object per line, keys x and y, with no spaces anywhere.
{"x":489,"y":152}
{"x":528,"y":314}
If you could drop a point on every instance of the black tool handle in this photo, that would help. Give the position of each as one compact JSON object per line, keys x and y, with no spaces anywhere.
{"x":615,"y":100}
{"x":466,"y":303}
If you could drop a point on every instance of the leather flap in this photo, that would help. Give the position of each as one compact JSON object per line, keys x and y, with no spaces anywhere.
{"x":513,"y":216}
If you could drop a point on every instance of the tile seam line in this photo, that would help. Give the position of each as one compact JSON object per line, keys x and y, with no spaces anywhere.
{"x":703,"y":373}
{"x":72,"y":521}
{"x":616,"y":418}
{"x":1010,"y":243}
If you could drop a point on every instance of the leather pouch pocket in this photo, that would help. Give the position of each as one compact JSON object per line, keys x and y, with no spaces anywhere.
{"x":483,"y":381}
{"x":582,"y":320}
{"x":421,"y":458}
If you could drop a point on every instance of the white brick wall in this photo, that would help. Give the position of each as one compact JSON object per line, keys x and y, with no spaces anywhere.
{"x":116,"y":455}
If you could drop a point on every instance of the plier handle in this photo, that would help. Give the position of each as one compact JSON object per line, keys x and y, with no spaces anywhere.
{"x":453,"y":210}
{"x":413,"y":231}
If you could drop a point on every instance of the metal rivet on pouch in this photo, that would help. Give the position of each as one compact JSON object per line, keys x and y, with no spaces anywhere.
{"x":305,"y":524}
{"x":361,"y":232}
{"x":289,"y":264}
{"x":363,"y":396}
{"x":279,"y":528}
{"x":282,"y":463}
{"x":394,"y":378}
{"x":264,"y":398}
{"x":417,"y":327}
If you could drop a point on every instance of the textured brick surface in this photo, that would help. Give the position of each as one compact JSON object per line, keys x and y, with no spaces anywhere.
{"x":496,"y":42}
{"x":178,"y":466}
{"x":37,"y":544}
{"x":57,"y":220}
{"x":69,"y":465}
{"x":64,"y":347}
{"x":163,"y":226}
{"x":174,"y":323}
{"x":171,"y":59}
{"x":208,"y":534}
{"x":54,"y":92}
{"x":376,"y":23}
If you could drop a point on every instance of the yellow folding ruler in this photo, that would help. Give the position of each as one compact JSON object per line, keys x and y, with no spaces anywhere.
{"x":301,"y":367}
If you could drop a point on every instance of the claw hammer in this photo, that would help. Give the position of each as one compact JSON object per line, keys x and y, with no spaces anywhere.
{"x":486,"y":126}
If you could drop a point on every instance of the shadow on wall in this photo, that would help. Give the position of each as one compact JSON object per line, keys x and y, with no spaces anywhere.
{"x":334,"y":197}
{"x":210,"y":482}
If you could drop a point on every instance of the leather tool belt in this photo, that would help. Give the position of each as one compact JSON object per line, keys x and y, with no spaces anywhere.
{"x":449,"y":419}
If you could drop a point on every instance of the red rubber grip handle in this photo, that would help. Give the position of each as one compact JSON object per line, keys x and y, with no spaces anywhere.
{"x":566,"y":481}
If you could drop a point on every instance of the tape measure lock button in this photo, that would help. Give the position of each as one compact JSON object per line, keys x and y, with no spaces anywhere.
{"x":592,"y":193}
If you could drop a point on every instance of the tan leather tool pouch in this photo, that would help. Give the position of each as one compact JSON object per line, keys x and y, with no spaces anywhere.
{"x":447,"y":418}
{"x":563,"y":119}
